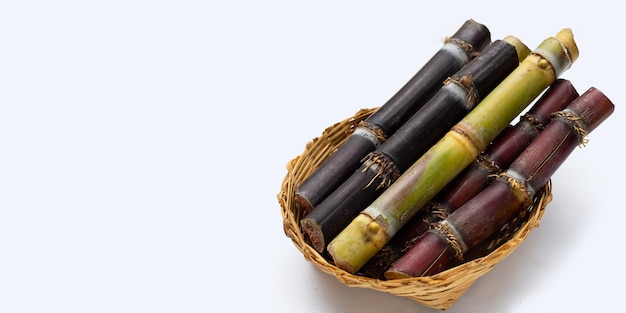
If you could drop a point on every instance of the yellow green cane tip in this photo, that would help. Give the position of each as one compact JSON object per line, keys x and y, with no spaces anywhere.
{"x":566,"y":37}
{"x":522,"y":50}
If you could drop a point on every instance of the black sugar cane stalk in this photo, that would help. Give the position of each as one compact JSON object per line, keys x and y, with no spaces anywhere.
{"x":498,"y":156}
{"x":512,"y":191}
{"x":380,"y":168}
{"x":457,"y":51}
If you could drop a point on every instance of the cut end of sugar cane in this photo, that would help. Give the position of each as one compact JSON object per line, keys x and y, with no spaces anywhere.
{"x":522,"y":50}
{"x":358,"y":242}
{"x":566,"y":37}
{"x":393,"y":274}
{"x":313,"y":233}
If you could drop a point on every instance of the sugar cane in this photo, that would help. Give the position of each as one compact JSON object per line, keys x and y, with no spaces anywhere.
{"x":479,"y":174}
{"x":512,"y":191}
{"x":377,"y":223}
{"x":380,"y":168}
{"x":457,"y":51}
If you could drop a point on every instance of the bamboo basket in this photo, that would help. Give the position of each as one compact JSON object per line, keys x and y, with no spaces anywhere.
{"x":439,"y":291}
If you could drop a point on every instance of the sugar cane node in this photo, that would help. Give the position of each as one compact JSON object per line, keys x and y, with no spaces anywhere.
{"x":488,"y":164}
{"x":467,"y":83}
{"x":386,"y":169}
{"x":374,"y":133}
{"x":534,"y":122}
{"x":467,"y":47}
{"x":575,"y":122}
{"x":518,"y":186}
{"x":451,"y":237}
{"x":464,"y":137}
{"x":436,"y":210}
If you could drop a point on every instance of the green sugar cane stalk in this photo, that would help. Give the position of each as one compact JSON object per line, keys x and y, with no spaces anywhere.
{"x":375,"y":225}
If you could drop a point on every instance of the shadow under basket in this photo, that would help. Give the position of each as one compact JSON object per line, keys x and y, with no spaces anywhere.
{"x":439,"y":291}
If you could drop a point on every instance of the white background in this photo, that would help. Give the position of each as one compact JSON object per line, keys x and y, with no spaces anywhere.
{"x":143,"y":143}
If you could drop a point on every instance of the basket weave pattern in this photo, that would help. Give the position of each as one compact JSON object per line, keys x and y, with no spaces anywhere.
{"x":439,"y":291}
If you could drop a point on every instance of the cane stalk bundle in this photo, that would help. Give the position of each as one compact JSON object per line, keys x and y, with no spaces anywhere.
{"x":377,"y":223}
{"x":497,"y":157}
{"x":457,"y":51}
{"x":380,"y":168}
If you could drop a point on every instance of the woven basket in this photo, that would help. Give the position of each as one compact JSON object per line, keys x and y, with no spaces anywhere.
{"x":439,"y":291}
